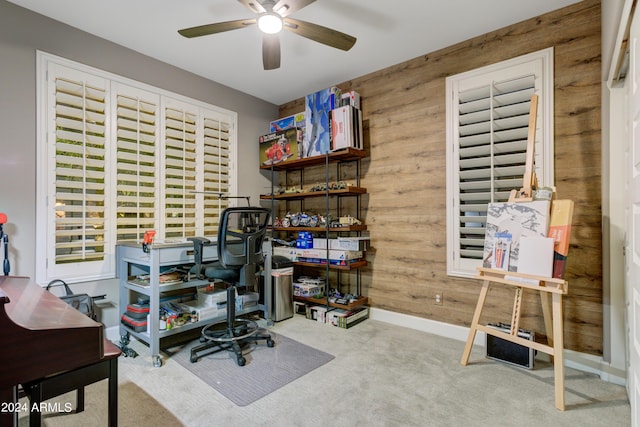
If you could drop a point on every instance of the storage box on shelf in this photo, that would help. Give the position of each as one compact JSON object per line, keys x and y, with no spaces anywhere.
{"x":346,"y":128}
{"x":317,"y":313}
{"x":203,"y":311}
{"x":347,"y":318}
{"x":339,"y":317}
{"x":342,"y":243}
{"x":280,"y":146}
{"x":302,"y":289}
{"x":209,"y":295}
{"x":292,"y":121}
{"x":358,"y":302}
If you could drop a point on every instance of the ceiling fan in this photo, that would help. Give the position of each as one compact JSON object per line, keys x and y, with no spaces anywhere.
{"x":273,"y":18}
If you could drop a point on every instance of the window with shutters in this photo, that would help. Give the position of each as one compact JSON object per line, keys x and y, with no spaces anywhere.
{"x":487,"y":129}
{"x":117,"y":158}
{"x":135,"y":158}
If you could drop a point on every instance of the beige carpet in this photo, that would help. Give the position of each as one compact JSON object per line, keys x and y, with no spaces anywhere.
{"x":382,"y":375}
{"x":136,"y":407}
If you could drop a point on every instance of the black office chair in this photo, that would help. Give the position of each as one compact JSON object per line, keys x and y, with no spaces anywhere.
{"x":240,"y":235}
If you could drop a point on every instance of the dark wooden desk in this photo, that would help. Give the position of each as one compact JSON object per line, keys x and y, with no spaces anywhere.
{"x":40,"y":336}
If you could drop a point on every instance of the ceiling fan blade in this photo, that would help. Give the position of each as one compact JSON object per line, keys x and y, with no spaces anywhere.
{"x":320,"y":34}
{"x":220,"y":27}
{"x":287,"y":7}
{"x":270,"y":51}
{"x":253,"y":5}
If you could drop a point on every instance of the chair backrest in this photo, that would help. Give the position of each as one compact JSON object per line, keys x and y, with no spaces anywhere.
{"x":240,"y":235}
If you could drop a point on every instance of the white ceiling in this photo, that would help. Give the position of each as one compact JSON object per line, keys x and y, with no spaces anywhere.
{"x":388,"y":32}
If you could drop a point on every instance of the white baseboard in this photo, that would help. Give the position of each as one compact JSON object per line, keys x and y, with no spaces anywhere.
{"x":459,"y":333}
{"x":573,"y":359}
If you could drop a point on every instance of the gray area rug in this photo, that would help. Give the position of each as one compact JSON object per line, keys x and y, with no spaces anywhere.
{"x":267,"y":369}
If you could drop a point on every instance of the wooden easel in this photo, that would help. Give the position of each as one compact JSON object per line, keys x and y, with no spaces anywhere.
{"x":551,"y":311}
{"x":530,"y":180}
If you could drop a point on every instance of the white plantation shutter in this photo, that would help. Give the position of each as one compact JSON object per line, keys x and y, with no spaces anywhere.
{"x":488,"y":117}
{"x":80,"y":169}
{"x":197,"y":177}
{"x":78,"y":184}
{"x":493,"y":129}
{"x":217,"y":154}
{"x":117,"y":158}
{"x":136,"y":172}
{"x":180,"y":172}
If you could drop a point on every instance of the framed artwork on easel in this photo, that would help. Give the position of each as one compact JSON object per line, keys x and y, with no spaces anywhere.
{"x":516,"y":219}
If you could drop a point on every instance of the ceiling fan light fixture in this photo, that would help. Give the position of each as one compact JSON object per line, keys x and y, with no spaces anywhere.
{"x":271,"y":17}
{"x":270,"y":23}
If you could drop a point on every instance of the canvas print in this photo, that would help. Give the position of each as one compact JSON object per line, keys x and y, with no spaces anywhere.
{"x":517,"y":219}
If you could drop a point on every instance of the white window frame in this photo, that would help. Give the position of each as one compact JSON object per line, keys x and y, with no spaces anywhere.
{"x":538,"y":64}
{"x":202,"y":205}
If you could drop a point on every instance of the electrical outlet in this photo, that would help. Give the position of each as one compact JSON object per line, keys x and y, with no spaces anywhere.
{"x":438,"y":298}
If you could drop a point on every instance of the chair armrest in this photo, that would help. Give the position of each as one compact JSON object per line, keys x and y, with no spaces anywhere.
{"x":198,"y":245}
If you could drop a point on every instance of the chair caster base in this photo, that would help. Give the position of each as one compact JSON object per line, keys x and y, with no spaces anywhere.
{"x":221,"y":336}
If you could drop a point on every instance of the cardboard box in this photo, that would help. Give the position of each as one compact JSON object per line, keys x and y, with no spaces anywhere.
{"x":352,"y":243}
{"x":346,"y":128}
{"x":347,"y":318}
{"x":300,"y":308}
{"x":203,"y":312}
{"x":317,"y":114}
{"x":351,"y":98}
{"x":210,"y":297}
{"x":282,"y":124}
{"x":342,"y":128}
{"x":306,"y":289}
{"x":304,"y":240}
{"x":247,"y":300}
{"x":321,"y":243}
{"x":322,"y":261}
{"x":292,"y":121}
{"x":317,"y":313}
{"x":334,"y":254}
{"x":342,"y":243}
{"x":281,"y":146}
{"x":286,"y":251}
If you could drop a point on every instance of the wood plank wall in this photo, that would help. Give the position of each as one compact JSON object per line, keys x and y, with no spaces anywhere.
{"x":404,"y":112}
